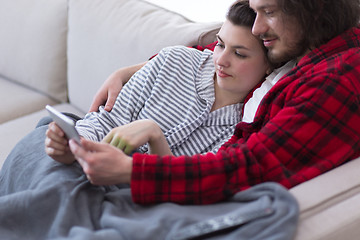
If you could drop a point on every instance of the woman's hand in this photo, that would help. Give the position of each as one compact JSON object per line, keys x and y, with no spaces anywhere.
{"x":109,"y":91}
{"x":56,"y":145}
{"x":135,"y":134}
{"x":103,"y":164}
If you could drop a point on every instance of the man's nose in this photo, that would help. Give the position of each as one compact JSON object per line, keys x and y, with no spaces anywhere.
{"x":260,"y":27}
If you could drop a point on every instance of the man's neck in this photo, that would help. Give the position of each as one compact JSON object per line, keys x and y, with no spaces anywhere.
{"x":297,"y":60}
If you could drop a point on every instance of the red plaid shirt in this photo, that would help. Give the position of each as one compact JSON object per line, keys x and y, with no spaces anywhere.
{"x":307,"y":124}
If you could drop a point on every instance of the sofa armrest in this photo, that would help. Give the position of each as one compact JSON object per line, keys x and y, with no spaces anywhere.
{"x":330,"y":204}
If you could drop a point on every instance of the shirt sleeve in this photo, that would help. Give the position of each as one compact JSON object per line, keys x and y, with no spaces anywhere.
{"x":210,"y":47}
{"x":308,"y":129}
{"x":96,"y":125}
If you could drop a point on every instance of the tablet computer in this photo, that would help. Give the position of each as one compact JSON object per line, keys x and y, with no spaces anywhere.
{"x":65,"y":123}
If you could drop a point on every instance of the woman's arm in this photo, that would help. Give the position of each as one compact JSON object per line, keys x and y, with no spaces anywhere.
{"x":96,"y":125}
{"x":113,"y":84}
{"x":109,"y":91}
{"x":133,"y":135}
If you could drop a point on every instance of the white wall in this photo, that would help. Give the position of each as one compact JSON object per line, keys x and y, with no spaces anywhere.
{"x":198,"y":10}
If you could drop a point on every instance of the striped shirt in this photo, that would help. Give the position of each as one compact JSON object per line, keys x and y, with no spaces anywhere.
{"x":176,"y":90}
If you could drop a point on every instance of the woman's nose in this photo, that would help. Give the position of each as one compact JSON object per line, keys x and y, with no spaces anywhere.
{"x":223,"y":59}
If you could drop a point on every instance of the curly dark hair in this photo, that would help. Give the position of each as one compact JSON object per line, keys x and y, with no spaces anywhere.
{"x":322,"y":20}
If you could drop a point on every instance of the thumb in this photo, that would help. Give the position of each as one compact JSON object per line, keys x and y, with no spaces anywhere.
{"x":80,"y":153}
{"x":76,"y":149}
{"x":91,"y":146}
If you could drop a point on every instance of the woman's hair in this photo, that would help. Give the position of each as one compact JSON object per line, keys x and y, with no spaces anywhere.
{"x":241,"y":14}
{"x":322,"y":20}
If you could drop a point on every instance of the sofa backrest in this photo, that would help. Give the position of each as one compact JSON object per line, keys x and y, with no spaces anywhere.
{"x":105,"y":35}
{"x":33,"y":44}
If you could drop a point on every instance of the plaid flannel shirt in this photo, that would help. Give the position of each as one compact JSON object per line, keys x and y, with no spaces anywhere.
{"x":307,"y":124}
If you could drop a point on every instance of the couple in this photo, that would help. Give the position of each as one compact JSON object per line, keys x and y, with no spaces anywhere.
{"x":302,"y":121}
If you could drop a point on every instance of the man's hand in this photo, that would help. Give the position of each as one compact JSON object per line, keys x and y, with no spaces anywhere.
{"x":102,"y":163}
{"x":109,"y":91}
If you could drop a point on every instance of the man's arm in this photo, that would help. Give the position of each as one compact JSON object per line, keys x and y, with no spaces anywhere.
{"x":109,"y":91}
{"x":113,"y":84}
{"x":298,"y":136}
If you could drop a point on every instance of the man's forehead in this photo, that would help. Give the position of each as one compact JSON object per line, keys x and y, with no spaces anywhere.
{"x":260,"y":4}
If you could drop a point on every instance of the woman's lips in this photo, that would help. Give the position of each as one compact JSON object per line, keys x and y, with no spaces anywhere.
{"x":223,"y":74}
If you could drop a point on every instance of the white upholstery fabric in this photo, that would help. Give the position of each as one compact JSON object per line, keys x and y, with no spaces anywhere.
{"x":330,"y":205}
{"x":17,"y":101}
{"x":33,"y":44}
{"x":102,"y":32}
{"x":11,"y":132}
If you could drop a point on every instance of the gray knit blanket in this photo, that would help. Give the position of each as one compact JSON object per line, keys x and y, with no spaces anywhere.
{"x":43,"y":199}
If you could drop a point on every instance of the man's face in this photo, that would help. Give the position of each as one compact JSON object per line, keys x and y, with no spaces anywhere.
{"x":281,"y":34}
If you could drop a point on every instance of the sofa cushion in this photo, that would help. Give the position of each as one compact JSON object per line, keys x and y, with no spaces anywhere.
{"x":13,"y":131}
{"x":106,"y":35}
{"x":329,"y":204}
{"x":17,"y":100}
{"x":33,"y":44}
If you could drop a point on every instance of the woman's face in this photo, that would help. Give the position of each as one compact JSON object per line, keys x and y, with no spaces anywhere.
{"x":239,"y":59}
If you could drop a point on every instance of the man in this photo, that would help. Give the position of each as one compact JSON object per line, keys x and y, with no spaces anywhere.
{"x":302,"y":121}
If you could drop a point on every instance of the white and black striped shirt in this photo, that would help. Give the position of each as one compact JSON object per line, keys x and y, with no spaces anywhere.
{"x":176,"y":90}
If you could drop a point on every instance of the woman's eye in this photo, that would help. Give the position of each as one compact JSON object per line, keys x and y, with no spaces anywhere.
{"x":240,"y":55}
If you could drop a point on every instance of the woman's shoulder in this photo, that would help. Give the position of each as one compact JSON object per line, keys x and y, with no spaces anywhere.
{"x":183,"y":51}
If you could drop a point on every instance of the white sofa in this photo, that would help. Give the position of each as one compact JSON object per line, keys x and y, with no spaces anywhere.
{"x":59,"y":52}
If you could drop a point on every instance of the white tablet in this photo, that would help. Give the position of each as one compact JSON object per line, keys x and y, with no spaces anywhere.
{"x":65,"y":123}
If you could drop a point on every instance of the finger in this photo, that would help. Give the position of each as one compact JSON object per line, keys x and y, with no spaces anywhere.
{"x":88,"y":177}
{"x":108,"y":137}
{"x":54,"y":152}
{"x":129,"y":149}
{"x":115,"y":141}
{"x":122,"y":144}
{"x":54,"y":140}
{"x":110,"y":101}
{"x":50,"y":143}
{"x":98,"y":100}
{"x":56,"y":129}
{"x":79,"y":153}
{"x":76,"y":149}
{"x":91,"y":146}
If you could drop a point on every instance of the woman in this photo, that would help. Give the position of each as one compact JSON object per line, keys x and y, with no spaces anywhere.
{"x":183,"y":101}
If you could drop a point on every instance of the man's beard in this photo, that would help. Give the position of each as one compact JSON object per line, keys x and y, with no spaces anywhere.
{"x":293,"y":51}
